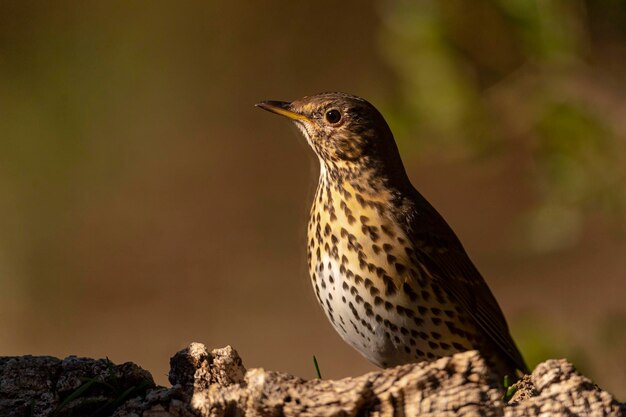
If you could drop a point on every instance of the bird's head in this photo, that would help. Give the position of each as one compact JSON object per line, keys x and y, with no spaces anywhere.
{"x":346,"y":132}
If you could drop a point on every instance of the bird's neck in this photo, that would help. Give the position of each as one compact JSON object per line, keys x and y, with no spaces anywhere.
{"x":367,"y":178}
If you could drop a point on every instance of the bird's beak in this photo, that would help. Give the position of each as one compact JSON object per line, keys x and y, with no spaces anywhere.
{"x":281,"y":107}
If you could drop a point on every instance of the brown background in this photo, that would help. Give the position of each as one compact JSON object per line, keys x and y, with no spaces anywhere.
{"x":145,"y":203}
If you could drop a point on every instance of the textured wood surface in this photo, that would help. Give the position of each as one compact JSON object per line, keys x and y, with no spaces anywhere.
{"x":215,"y":383}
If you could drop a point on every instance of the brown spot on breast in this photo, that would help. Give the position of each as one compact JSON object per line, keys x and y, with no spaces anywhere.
{"x":317,"y":293}
{"x":362,"y":264}
{"x":367,"y":326}
{"x":354,"y":312}
{"x":387,"y":230}
{"x":371,"y":231}
{"x":409,"y":291}
{"x":390,"y":287}
{"x":458,"y":346}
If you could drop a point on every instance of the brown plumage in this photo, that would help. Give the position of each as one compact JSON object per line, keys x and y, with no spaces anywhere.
{"x":390,"y":274}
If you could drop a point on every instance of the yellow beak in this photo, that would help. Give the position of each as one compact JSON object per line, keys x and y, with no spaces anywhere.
{"x":281,"y":107}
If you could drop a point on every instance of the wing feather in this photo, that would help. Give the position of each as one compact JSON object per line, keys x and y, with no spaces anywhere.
{"x":441,"y":252}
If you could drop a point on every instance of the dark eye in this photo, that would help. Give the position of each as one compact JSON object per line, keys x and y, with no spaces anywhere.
{"x":333,"y":116}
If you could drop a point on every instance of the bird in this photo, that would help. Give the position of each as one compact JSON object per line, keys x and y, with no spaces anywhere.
{"x":389,"y":272}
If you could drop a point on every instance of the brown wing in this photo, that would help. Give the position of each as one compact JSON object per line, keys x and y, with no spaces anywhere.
{"x":441,"y":252}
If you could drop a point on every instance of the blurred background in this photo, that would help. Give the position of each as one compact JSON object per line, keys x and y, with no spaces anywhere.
{"x":145,"y":203}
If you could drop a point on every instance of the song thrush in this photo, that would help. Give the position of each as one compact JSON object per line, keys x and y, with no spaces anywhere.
{"x":390,"y":274}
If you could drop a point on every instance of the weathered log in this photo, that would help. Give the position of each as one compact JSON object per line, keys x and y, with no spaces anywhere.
{"x":217,"y":384}
{"x":45,"y":386}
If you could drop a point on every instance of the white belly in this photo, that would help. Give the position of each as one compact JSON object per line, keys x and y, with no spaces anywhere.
{"x":345,"y":308}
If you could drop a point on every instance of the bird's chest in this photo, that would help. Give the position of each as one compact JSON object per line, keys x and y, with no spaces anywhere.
{"x":354,"y":259}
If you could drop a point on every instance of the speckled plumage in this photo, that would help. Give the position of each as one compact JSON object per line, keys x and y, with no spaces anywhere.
{"x":390,"y":274}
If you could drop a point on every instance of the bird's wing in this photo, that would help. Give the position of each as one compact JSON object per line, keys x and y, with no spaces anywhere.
{"x":443,"y":255}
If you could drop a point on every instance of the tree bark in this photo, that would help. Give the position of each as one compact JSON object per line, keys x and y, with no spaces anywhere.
{"x":217,"y":384}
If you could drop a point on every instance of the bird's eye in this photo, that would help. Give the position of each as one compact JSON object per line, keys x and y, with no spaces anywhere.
{"x":333,"y":116}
